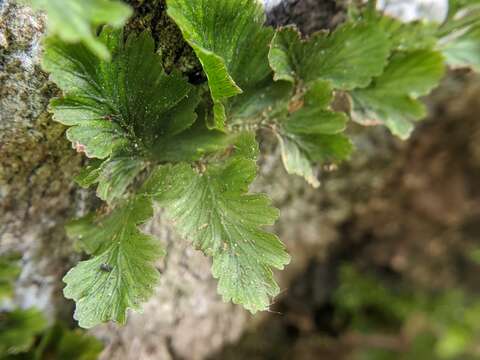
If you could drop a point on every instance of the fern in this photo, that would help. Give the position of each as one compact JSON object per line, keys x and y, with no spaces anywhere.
{"x":196,"y":143}
{"x":313,"y":133}
{"x":121,"y":273}
{"x":123,"y":110}
{"x":214,"y":210}
{"x":348,"y":57}
{"x":391,"y":98}
{"x":230,"y":44}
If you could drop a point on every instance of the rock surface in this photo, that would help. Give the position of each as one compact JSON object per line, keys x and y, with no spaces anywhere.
{"x":36,"y":163}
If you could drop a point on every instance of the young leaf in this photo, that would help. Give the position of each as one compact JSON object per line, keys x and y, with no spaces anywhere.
{"x":89,"y":173}
{"x":296,"y":161}
{"x":113,"y":175}
{"x":391,"y":99}
{"x":231,"y":42}
{"x":116,"y":174}
{"x":73,"y":20}
{"x":192,"y":144}
{"x":121,"y":273}
{"x":300,"y":152}
{"x":349,"y":57}
{"x":127,"y":102}
{"x":124,"y":110}
{"x":214,"y":211}
{"x":266,"y":101}
{"x":312,"y":134}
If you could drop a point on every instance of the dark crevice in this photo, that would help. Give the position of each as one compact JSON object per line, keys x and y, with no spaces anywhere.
{"x":308,"y":15}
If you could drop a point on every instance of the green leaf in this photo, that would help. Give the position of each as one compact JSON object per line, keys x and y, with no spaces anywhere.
{"x":464,"y":50}
{"x":349,"y":57}
{"x":89,"y":174}
{"x":215,"y":212}
{"x":76,"y":344}
{"x":121,"y":273}
{"x":97,"y":138}
{"x":127,"y":102}
{"x":246,"y":146}
{"x":192,"y":144}
{"x":300,"y":152}
{"x":59,"y":342}
{"x":391,"y":99}
{"x":117,"y":174}
{"x":296,"y":161}
{"x":74,"y":20}
{"x":231,"y":42}
{"x":312,"y":134}
{"x":18,"y":329}
{"x":113,"y":175}
{"x":455,"y":341}
{"x":407,"y":36}
{"x":312,"y":119}
{"x":454,"y":6}
{"x":462,"y":14}
{"x":84,"y":234}
{"x":9,"y":271}
{"x":460,"y":35}
{"x":127,"y":111}
{"x":267,"y":101}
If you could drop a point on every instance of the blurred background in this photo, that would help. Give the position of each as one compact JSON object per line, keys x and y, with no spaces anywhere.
{"x":398,"y":276}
